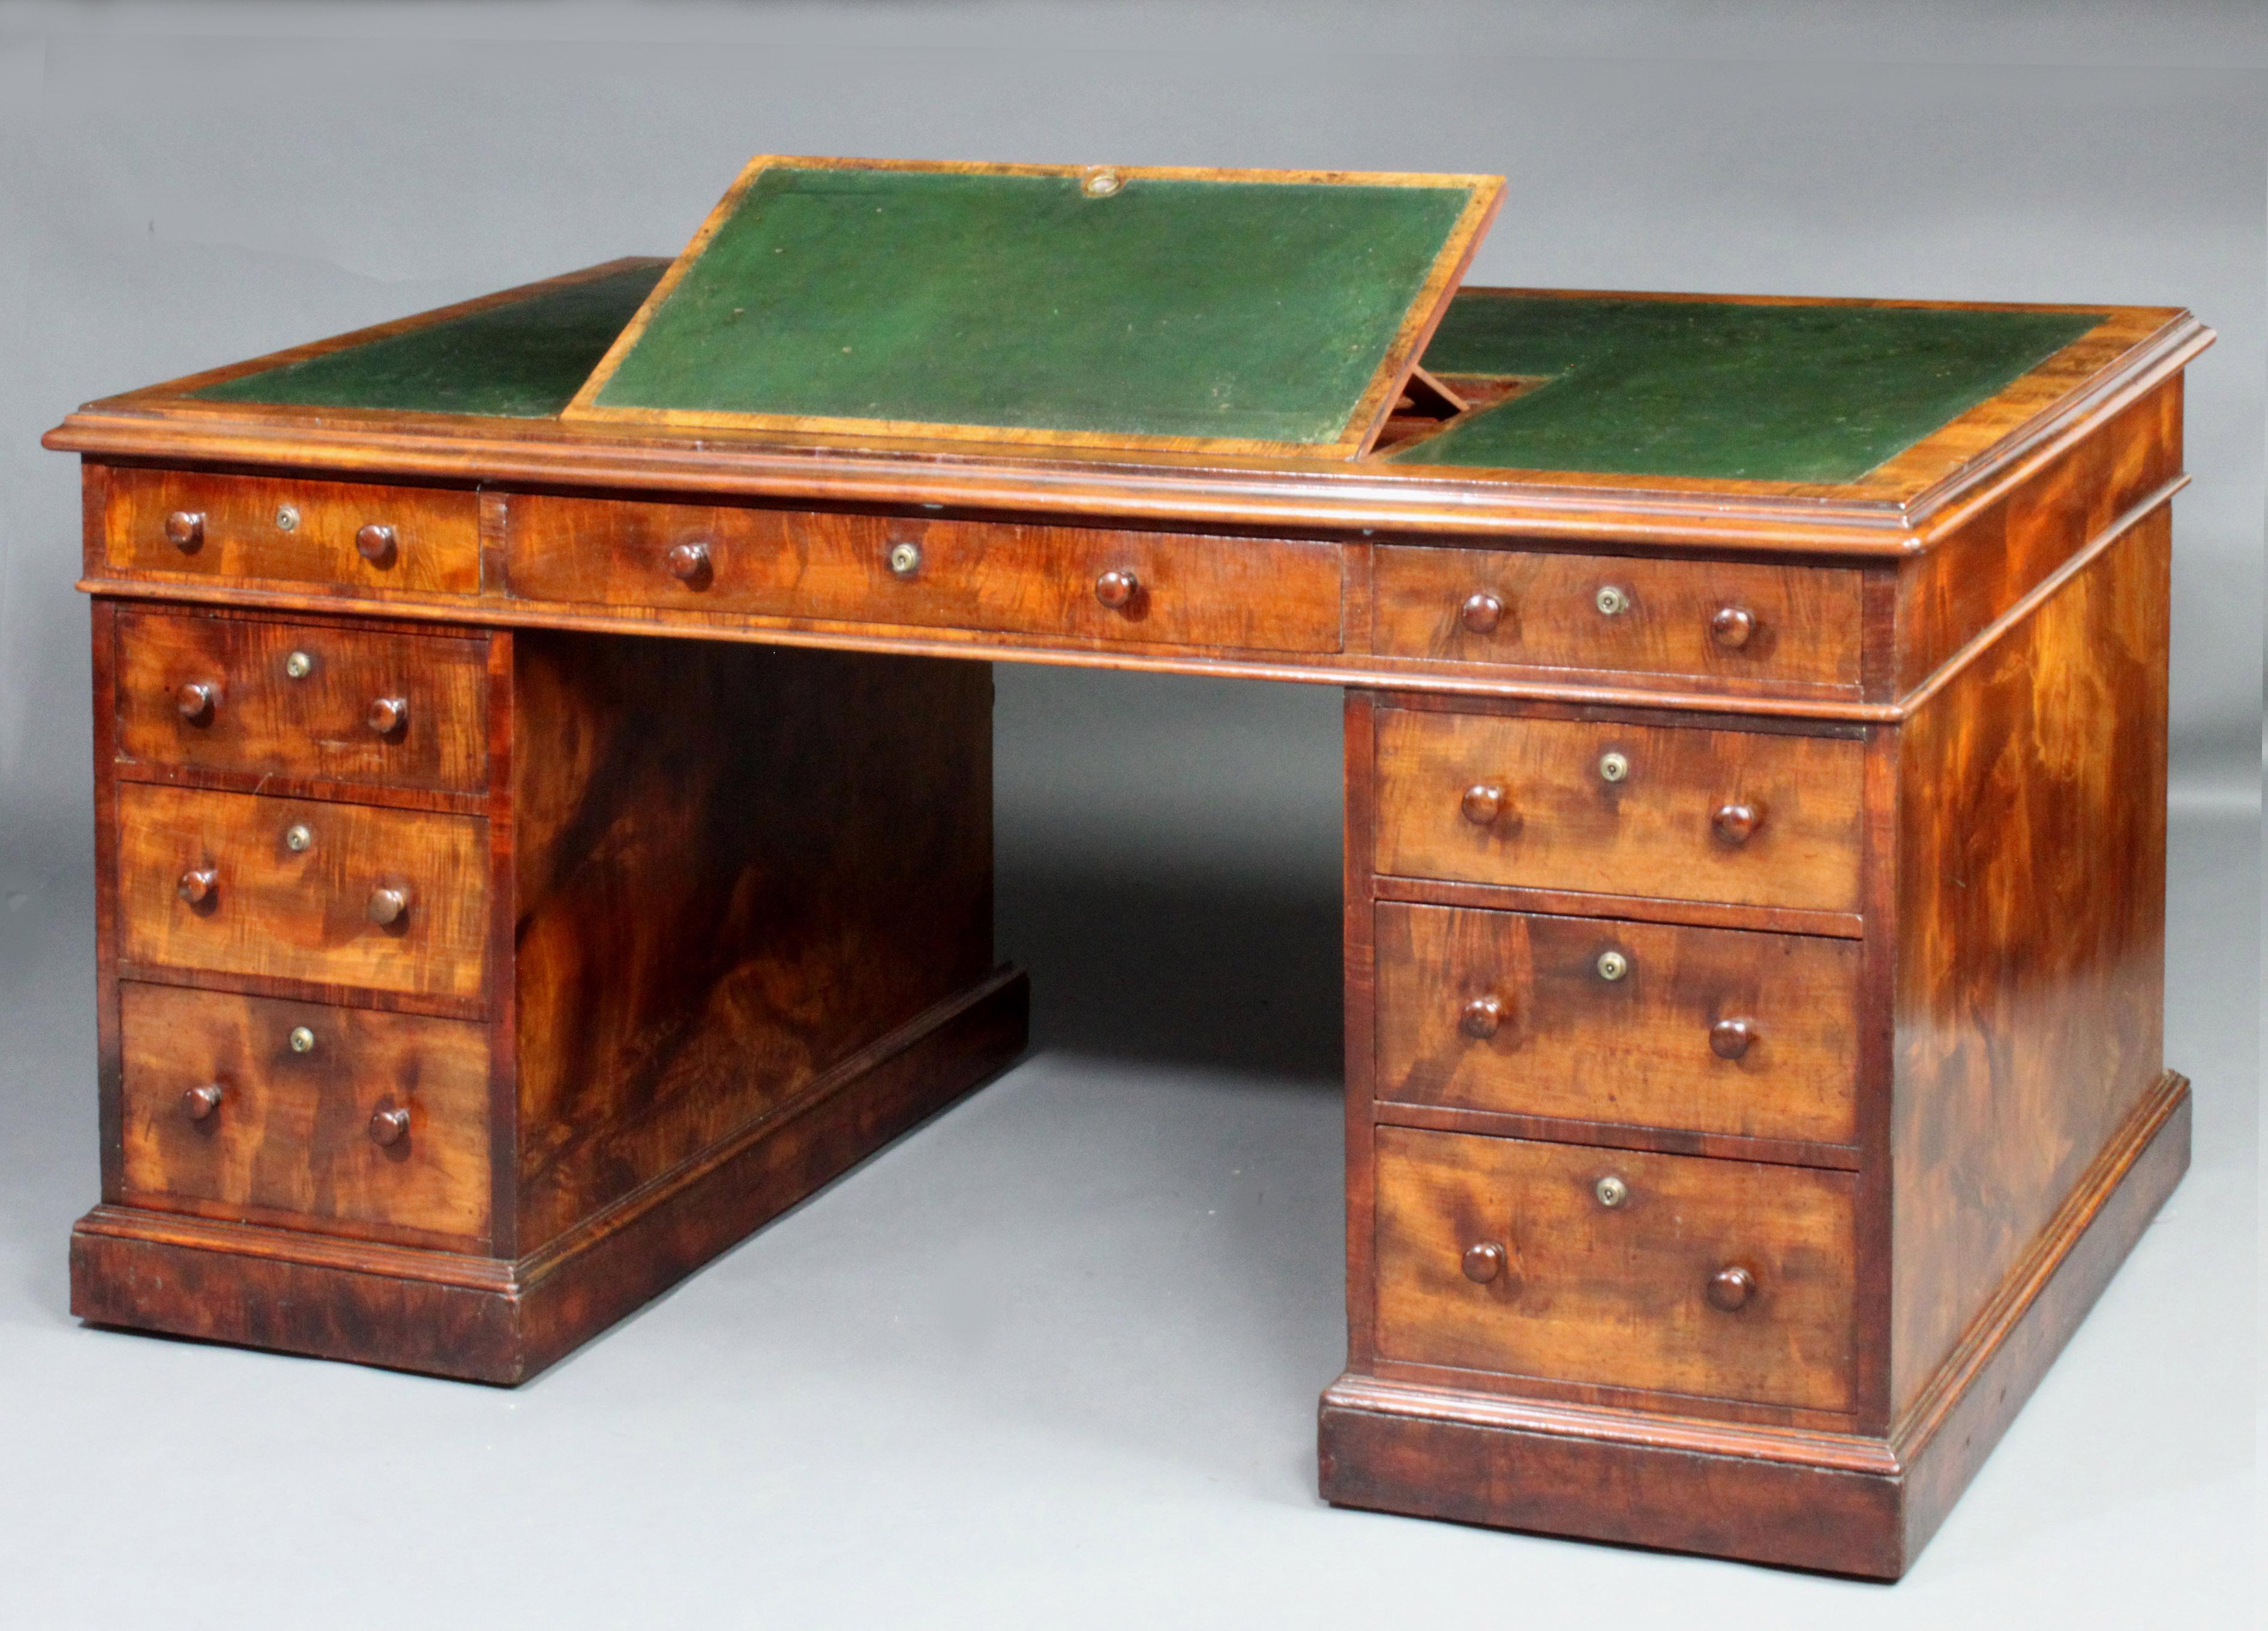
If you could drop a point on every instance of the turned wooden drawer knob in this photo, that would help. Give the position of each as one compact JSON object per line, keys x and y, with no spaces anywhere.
{"x":1730,"y":1038}
{"x":185,"y":529}
{"x":388,"y":906}
{"x":375,"y":543}
{"x":1735,"y":822}
{"x":1117,"y":589}
{"x":1484,"y":1262}
{"x":688,"y":563}
{"x":387,"y":714}
{"x":199,"y":1102}
{"x":1730,"y":1288}
{"x":1481,"y":1017}
{"x":1483,"y":803}
{"x":1481,"y":613}
{"x":194,"y":701}
{"x":197,"y":884}
{"x":1732,"y":626}
{"x":389,"y":1124}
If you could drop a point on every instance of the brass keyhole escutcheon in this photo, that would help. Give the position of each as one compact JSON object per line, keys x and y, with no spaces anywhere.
{"x":298,"y":837}
{"x":905,"y":558}
{"x":298,"y":665}
{"x":1611,"y":1190}
{"x":302,"y":1039}
{"x":1612,"y":602}
{"x":287,"y":518}
{"x":1612,"y":965}
{"x":1613,"y":767}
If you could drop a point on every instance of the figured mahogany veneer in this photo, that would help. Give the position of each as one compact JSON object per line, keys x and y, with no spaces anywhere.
{"x":1721,"y":620}
{"x":294,"y":1118}
{"x":354,"y":534}
{"x":1762,"y":820}
{"x":277,"y":911}
{"x":1152,"y":588}
{"x":1609,"y":1258}
{"x":1716,"y":1030}
{"x":291,"y":700}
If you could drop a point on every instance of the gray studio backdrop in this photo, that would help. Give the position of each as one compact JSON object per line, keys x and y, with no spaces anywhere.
{"x":183,"y":186}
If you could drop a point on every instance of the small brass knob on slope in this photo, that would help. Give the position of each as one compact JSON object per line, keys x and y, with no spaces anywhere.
{"x":1730,"y":1038}
{"x":376,"y":543}
{"x":688,"y":563}
{"x":1484,"y":1262}
{"x":200,"y":1101}
{"x":185,"y":530}
{"x":1481,"y":1017}
{"x":197,"y":884}
{"x":1736,"y":821}
{"x":387,"y":714}
{"x":1731,"y":1287}
{"x":389,"y":1124}
{"x":1732,"y":627}
{"x":388,"y":906}
{"x":1481,"y":613}
{"x":1117,"y":589}
{"x":194,"y":701}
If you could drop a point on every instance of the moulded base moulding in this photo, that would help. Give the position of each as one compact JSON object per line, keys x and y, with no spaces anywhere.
{"x":1843,"y":1503}
{"x":486,"y":1319}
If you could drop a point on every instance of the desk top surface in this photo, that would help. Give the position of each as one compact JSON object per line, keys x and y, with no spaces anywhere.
{"x":1758,"y":413}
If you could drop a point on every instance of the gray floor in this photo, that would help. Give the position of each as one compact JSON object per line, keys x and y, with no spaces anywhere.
{"x":1053,"y":1358}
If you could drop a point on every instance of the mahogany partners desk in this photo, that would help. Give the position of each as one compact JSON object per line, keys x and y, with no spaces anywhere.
{"x":534,"y":853}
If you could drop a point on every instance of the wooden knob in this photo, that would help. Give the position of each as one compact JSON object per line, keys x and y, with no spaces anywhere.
{"x":688,"y":563}
{"x":194,"y":701}
{"x":387,"y":714}
{"x":1483,"y":1262}
{"x":1481,"y":613}
{"x":389,"y":1124}
{"x":1481,"y":1017}
{"x":1730,"y":1288}
{"x":199,"y":1102}
{"x":1483,"y":803}
{"x":374,"y":542}
{"x":1117,"y":589}
{"x":387,"y":905}
{"x":1732,"y":626}
{"x":185,"y":529}
{"x":1730,"y":1038}
{"x":1735,"y":822}
{"x":197,"y":884}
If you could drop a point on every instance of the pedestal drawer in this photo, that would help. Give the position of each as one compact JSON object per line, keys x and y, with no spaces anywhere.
{"x":1671,"y":1274}
{"x":1084,"y":583}
{"x":1708,"y":1030}
{"x":228,"y":527}
{"x":304,"y":1114}
{"x":338,"y":893}
{"x":1674,"y":812}
{"x":225,"y":693}
{"x":1716,"y":620}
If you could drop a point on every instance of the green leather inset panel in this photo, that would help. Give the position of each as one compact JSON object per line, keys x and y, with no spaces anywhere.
{"x":1172,"y":308}
{"x":1714,"y":389}
{"x":525,"y":360}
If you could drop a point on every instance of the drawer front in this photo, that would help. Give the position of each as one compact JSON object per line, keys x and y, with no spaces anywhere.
{"x":1720,"y":1279}
{"x":1708,"y":1030}
{"x":1246,"y":593}
{"x":1536,"y":803}
{"x":297,"y":531}
{"x":298,"y":699}
{"x":1705,"y":619}
{"x":223,"y":1112}
{"x":265,"y":908}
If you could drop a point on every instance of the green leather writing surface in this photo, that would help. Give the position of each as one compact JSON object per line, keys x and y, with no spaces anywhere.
{"x":522,"y":360}
{"x":1717,"y":389}
{"x":1172,"y":308}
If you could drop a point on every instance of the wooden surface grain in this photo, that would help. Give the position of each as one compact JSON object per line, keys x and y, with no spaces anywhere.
{"x":275,"y":913}
{"x":1616,"y":1294}
{"x":1643,"y":1050}
{"x":289,"y":1139}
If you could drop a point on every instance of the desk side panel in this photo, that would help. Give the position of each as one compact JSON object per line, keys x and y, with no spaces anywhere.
{"x":736,"y":867}
{"x":2029,"y":989}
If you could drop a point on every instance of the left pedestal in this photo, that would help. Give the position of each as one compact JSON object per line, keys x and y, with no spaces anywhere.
{"x":460,"y":991}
